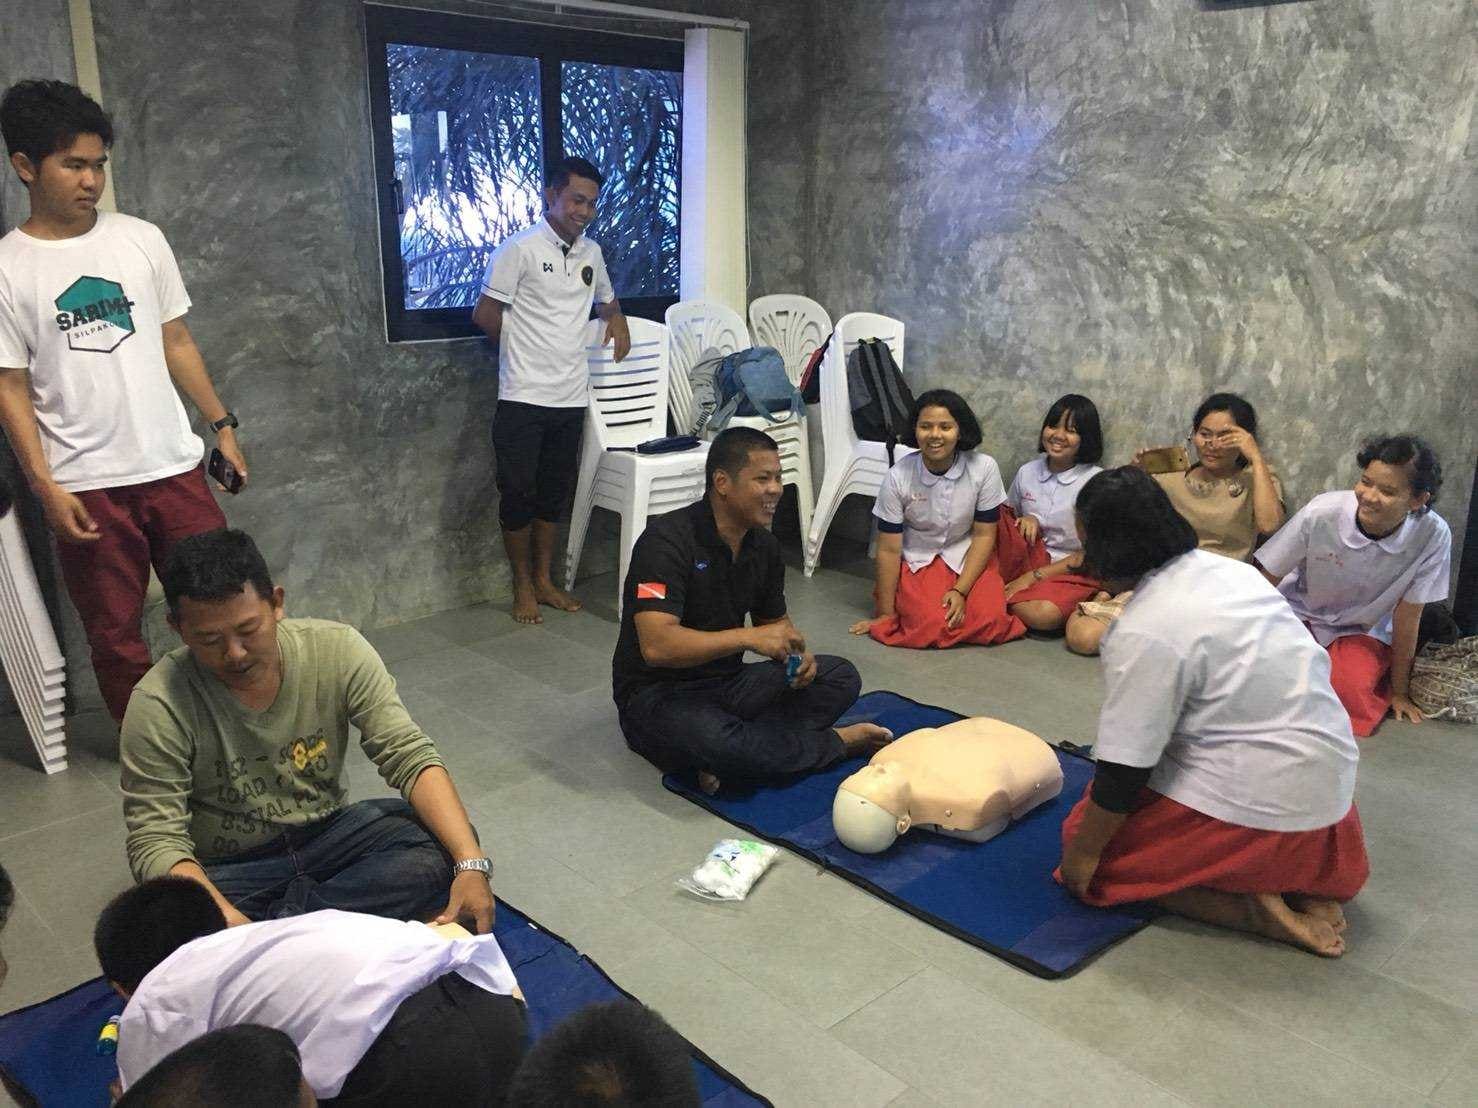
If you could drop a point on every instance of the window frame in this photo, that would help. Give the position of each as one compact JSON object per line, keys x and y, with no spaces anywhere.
{"x":552,"y":47}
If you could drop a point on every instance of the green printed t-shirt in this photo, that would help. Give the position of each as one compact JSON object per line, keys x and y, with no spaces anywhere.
{"x":205,"y":778}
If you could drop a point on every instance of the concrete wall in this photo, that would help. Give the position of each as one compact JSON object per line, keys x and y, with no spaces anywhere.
{"x":1149,"y":200}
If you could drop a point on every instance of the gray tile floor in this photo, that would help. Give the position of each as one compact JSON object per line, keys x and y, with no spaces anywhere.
{"x":812,"y":991}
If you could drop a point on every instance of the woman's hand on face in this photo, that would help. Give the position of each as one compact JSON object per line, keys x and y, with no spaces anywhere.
{"x":1030,"y":527}
{"x":1245,"y":442}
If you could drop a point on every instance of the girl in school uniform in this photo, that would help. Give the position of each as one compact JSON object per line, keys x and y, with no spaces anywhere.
{"x":1225,"y":776}
{"x":1042,"y":496}
{"x":938,"y":580}
{"x":1231,"y":497}
{"x":1357,"y":567}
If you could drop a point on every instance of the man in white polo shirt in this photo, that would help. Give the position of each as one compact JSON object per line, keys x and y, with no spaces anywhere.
{"x":93,"y":346}
{"x":536,"y":300}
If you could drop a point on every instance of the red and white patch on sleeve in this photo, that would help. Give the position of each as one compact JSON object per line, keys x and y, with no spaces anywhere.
{"x":651,"y":590}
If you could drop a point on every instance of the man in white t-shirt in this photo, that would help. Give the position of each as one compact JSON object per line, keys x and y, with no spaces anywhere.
{"x":535,"y":302}
{"x":93,"y":346}
{"x":396,"y":1012}
{"x":1358,"y":567}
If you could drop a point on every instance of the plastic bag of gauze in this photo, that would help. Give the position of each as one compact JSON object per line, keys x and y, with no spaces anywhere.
{"x":730,"y":870}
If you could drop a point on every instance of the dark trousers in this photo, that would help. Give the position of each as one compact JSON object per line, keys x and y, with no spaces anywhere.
{"x":452,"y":1043}
{"x":538,"y":455}
{"x":373,"y":857}
{"x":751,"y":724}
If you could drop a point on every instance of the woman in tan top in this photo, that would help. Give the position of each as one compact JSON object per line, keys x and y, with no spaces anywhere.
{"x":1231,"y":498}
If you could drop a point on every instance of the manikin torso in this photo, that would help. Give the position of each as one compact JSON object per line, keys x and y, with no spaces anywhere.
{"x":968,"y":779}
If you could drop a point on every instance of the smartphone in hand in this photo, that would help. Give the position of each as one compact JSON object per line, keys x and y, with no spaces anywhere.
{"x":223,"y":471}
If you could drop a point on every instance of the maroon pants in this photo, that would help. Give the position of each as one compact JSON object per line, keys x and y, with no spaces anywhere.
{"x":107,"y":579}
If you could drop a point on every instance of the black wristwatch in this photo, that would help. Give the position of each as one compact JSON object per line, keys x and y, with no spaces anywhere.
{"x":228,"y":420}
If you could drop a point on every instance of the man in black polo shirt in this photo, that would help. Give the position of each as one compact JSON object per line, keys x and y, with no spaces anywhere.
{"x":687,"y":700}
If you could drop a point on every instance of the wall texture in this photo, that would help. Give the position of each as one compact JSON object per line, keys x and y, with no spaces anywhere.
{"x":1147,"y":201}
{"x":244,"y":133}
{"x":1144,"y":200}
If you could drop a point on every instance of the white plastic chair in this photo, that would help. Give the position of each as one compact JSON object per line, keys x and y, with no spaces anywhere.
{"x":793,"y":325}
{"x":853,"y":465}
{"x":33,"y":660}
{"x":696,"y":326}
{"x":627,"y":405}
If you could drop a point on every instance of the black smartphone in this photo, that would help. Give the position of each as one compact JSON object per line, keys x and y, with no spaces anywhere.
{"x":223,"y":471}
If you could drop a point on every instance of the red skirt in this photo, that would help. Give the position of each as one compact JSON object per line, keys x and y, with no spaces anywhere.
{"x":1360,"y":671}
{"x":1017,"y":556}
{"x":920,"y":618}
{"x":1164,"y":847}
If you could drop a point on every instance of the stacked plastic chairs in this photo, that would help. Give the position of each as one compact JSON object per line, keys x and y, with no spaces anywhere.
{"x":853,"y":465}
{"x":33,"y":660}
{"x":627,"y":405}
{"x":696,"y":328}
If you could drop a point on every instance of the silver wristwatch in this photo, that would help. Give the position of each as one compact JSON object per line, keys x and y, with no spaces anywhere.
{"x":483,"y":866}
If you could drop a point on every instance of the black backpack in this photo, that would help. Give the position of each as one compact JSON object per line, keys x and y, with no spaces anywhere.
{"x":881,"y":400}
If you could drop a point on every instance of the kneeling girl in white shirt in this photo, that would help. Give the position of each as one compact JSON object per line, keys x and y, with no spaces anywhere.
{"x":1225,"y":778}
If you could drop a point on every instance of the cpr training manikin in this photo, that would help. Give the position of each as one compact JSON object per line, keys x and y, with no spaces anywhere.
{"x":968,"y":779}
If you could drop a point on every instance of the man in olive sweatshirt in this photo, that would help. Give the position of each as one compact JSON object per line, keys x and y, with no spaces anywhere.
{"x":233,"y":748}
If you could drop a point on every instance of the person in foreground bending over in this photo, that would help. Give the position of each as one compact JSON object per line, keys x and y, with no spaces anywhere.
{"x":245,"y":1066}
{"x":232,"y":755}
{"x":620,"y":1053}
{"x":938,"y":581}
{"x":1043,"y":494}
{"x":1226,"y":767}
{"x":1359,"y":566}
{"x":687,"y":701}
{"x":382,"y":1011}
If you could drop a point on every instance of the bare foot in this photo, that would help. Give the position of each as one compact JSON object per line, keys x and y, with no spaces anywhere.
{"x":525,"y":605}
{"x":551,"y":595}
{"x":1330,"y":911}
{"x":707,"y":782}
{"x":1274,"y":918}
{"x":864,"y":738}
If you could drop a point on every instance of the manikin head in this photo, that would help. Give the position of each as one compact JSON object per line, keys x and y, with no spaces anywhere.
{"x":870,"y":810}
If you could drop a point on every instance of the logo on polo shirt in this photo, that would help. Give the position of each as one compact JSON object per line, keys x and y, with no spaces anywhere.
{"x":651,"y":590}
{"x":700,"y":566}
{"x":548,"y":267}
{"x":587,"y":274}
{"x":95,"y":314}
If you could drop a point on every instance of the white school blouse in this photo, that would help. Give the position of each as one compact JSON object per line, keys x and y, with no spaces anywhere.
{"x":937,"y":510}
{"x":1341,"y":582}
{"x":1212,"y":680}
{"x":329,"y":980}
{"x":1051,"y":497}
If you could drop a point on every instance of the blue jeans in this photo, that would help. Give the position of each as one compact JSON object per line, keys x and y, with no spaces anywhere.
{"x":373,"y":857}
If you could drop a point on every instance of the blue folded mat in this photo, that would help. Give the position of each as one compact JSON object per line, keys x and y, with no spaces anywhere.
{"x":998,"y":895}
{"x":49,"y":1050}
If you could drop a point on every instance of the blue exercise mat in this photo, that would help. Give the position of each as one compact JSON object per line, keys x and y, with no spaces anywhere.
{"x":49,"y":1050}
{"x":998,"y":895}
